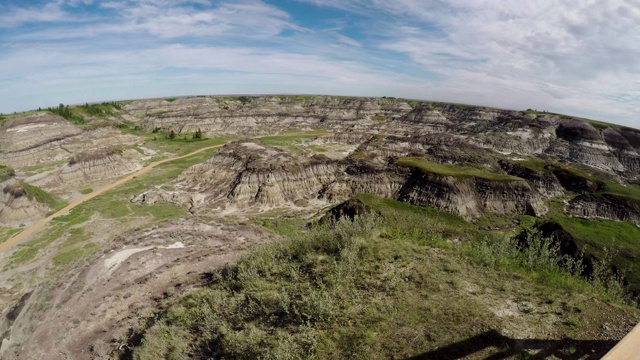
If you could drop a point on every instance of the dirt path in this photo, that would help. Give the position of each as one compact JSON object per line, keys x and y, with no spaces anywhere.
{"x":42,"y":222}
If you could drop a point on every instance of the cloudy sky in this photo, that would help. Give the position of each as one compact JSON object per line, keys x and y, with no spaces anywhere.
{"x":580,"y":57}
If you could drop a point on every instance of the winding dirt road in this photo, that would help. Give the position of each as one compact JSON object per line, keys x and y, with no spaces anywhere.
{"x":42,"y":222}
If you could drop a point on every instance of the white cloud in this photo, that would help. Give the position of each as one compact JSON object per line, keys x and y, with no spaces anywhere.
{"x":560,"y":53}
{"x":12,"y":16}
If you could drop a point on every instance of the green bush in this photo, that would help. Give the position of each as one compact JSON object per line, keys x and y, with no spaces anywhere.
{"x":68,"y":114}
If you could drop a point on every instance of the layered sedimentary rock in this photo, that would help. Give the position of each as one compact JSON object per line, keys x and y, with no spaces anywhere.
{"x":605,"y":206}
{"x":16,"y":208}
{"x":87,"y":166}
{"x":35,"y":138}
{"x":251,"y":175}
{"x":46,"y":138}
{"x":502,"y":131}
{"x":470,"y":197}
{"x":543,"y":181}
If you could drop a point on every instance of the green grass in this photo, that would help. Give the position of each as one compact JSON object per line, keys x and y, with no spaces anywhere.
{"x":6,"y":173}
{"x":86,"y":191}
{"x":43,"y":197}
{"x":420,"y":223}
{"x":620,"y":237}
{"x":179,"y":145}
{"x":533,"y":163}
{"x":326,"y":294}
{"x":357,"y":291}
{"x":69,"y":256}
{"x":118,"y":209}
{"x":613,"y":188}
{"x":7,"y":233}
{"x":454,"y":170}
{"x":29,"y":250}
{"x":603,"y":232}
{"x":379,"y":119}
{"x":44,"y":166}
{"x":290,"y":138}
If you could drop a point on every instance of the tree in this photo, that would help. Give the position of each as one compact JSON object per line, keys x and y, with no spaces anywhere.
{"x":172,"y":135}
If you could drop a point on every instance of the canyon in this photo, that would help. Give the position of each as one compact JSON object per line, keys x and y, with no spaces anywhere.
{"x":87,"y":284}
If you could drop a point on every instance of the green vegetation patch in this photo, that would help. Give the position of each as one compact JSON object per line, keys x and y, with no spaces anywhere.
{"x":28,"y":251}
{"x":68,"y":113}
{"x":69,"y":256}
{"x":7,"y":233}
{"x":290,"y":138}
{"x":102,"y":110}
{"x":43,"y":166}
{"x":613,"y":188}
{"x":160,"y":211}
{"x":6,"y":172}
{"x":354,"y":290}
{"x":420,"y":223}
{"x":328,"y":293}
{"x":454,"y":170}
{"x":181,"y":144}
{"x":43,"y":197}
{"x":620,"y":239}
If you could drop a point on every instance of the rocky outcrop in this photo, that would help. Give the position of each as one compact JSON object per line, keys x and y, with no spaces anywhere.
{"x":16,"y":208}
{"x":543,"y":181}
{"x":254,"y":176}
{"x":46,"y":138}
{"x":470,"y":197}
{"x":607,"y":148}
{"x":35,"y":130}
{"x":605,"y":206}
{"x":349,"y":209}
{"x":251,"y":175}
{"x":85,"y":167}
{"x":360,"y":177}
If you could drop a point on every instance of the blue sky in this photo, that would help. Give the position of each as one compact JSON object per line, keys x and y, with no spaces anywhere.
{"x":575,"y":57}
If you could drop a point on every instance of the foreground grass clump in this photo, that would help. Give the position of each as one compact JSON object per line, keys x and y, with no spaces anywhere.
{"x":542,"y":259}
{"x":617,"y":240}
{"x":454,"y":170}
{"x":341,"y":292}
{"x":362,"y":290}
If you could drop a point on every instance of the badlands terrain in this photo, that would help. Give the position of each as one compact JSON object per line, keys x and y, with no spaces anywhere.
{"x":315,"y":226}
